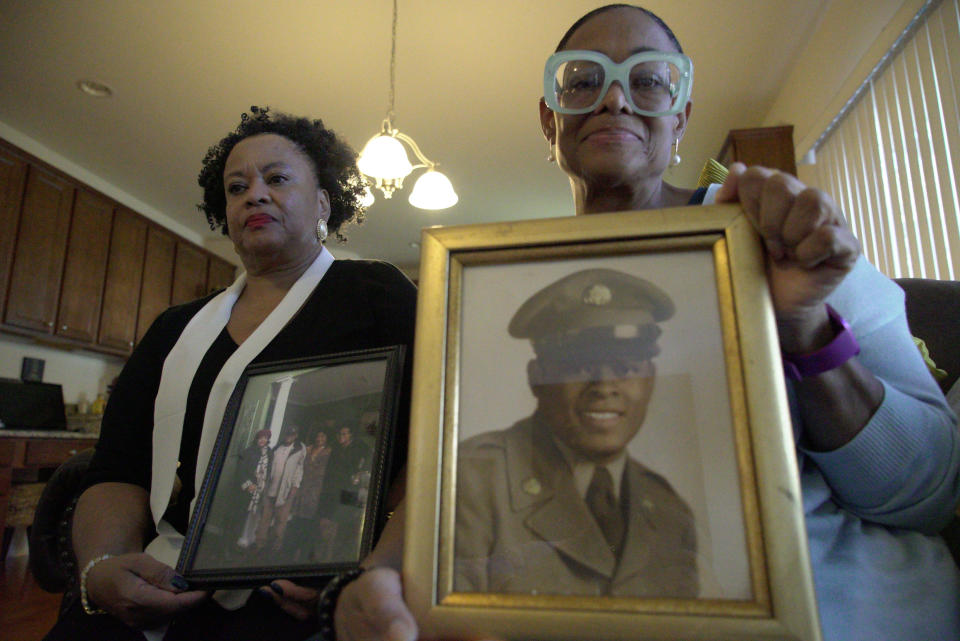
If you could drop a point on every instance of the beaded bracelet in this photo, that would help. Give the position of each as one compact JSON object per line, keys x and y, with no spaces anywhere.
{"x":327,"y":602}
{"x":84,"y":601}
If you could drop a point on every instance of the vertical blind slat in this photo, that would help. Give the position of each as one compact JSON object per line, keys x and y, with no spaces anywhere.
{"x":916,"y":119}
{"x":948,"y":134}
{"x":883,"y":184}
{"x":864,"y":184}
{"x":934,"y":152}
{"x":890,"y":123}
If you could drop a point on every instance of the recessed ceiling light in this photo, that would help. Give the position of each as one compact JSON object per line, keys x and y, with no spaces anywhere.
{"x":94,"y":88}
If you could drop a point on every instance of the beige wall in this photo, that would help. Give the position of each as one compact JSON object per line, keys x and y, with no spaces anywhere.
{"x":82,"y":374}
{"x":851,"y":37}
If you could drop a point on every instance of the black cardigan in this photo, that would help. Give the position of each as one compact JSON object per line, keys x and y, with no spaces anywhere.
{"x":357,"y":305}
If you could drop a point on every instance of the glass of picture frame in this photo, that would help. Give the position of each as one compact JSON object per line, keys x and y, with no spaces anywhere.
{"x":295,"y":485}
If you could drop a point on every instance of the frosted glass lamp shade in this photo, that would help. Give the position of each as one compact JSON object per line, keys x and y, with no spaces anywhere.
{"x":384,"y":157}
{"x":367,"y":199}
{"x":433,"y":191}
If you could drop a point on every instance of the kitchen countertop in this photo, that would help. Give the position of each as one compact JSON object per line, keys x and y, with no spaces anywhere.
{"x":64,"y":434}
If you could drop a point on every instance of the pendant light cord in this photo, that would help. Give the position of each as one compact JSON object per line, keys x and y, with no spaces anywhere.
{"x":393,"y":62}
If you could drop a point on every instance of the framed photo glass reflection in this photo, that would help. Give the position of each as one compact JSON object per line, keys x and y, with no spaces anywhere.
{"x":294,"y":488}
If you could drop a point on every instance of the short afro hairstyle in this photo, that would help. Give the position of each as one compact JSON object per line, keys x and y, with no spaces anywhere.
{"x":334,"y":162}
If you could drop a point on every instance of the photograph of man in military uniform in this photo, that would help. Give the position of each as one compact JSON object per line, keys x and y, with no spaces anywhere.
{"x":563,"y":500}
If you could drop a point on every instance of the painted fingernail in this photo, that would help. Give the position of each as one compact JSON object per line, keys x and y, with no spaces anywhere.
{"x":276,"y":588}
{"x":179,"y":582}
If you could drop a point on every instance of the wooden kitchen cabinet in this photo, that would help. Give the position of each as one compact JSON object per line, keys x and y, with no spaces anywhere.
{"x":7,"y":455}
{"x":42,"y":452}
{"x":768,"y":146}
{"x":220,"y":274}
{"x":6,"y":481}
{"x":121,"y":290}
{"x":85,"y":268}
{"x":13,"y":173}
{"x":81,"y":270}
{"x":157,"y":278}
{"x":39,"y":251}
{"x":189,"y":274}
{"x":23,"y":454}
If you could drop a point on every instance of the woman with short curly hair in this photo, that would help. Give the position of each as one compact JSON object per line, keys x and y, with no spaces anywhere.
{"x":277,"y":186}
{"x":334,"y":164}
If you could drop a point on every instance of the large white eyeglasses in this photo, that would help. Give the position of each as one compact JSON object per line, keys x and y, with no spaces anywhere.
{"x":655,"y":83}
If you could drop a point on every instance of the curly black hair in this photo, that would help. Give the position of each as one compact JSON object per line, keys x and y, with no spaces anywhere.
{"x":334,"y":161}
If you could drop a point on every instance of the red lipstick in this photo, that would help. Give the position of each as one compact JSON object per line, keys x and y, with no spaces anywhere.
{"x":257,"y":221}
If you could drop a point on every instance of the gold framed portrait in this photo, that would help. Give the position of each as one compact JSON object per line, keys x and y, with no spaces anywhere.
{"x":601,"y":444}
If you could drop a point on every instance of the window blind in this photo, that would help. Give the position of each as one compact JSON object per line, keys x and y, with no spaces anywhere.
{"x":890,"y":159}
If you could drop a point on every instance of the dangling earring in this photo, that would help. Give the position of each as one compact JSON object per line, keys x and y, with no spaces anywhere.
{"x":551,"y":155}
{"x":675,"y":160}
{"x":321,"y":230}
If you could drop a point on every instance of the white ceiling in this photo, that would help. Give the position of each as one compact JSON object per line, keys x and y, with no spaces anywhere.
{"x":468,"y":80}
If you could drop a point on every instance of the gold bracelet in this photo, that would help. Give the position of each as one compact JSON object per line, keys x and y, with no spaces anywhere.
{"x":84,"y":601}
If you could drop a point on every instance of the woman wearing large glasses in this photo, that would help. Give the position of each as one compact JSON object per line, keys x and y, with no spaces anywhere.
{"x":878,"y":450}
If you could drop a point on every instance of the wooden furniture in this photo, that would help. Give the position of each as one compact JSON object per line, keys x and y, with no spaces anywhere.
{"x":220,"y":275}
{"x":81,"y":293}
{"x":23,"y":454}
{"x":13,"y":174}
{"x":768,"y":146}
{"x":80,"y":270}
{"x":189,"y":274}
{"x":157,"y":278}
{"x":125,"y":265}
{"x":39,"y":252}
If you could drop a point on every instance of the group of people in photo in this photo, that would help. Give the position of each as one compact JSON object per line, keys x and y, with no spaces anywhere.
{"x":303,"y":498}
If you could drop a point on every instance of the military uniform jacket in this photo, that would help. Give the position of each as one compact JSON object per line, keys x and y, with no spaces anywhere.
{"x":521,"y":525}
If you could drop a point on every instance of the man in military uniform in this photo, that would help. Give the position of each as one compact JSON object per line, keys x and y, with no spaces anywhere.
{"x":554,"y":504}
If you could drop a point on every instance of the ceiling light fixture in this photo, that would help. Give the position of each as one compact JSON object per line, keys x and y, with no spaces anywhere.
{"x":384,"y":159}
{"x":94,"y":88}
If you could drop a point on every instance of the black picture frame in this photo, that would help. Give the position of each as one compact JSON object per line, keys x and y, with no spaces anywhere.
{"x":314,"y":512}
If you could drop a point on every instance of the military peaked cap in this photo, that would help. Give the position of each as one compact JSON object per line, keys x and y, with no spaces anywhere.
{"x":594,"y":314}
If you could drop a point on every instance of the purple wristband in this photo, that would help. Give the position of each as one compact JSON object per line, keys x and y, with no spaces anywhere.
{"x":841,"y":349}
